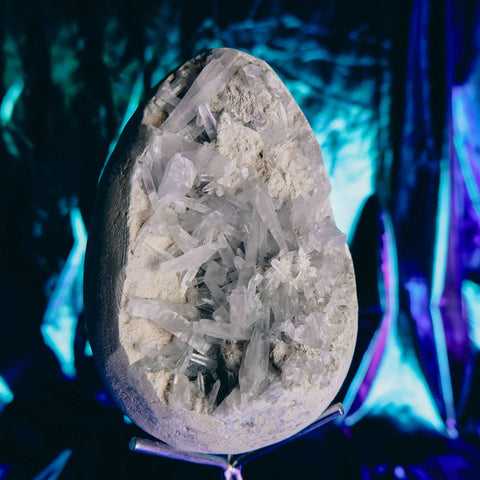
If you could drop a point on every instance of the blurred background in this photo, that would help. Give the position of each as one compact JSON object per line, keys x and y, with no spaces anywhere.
{"x":392,"y":92}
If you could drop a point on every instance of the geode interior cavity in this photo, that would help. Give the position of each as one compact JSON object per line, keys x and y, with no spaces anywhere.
{"x":220,"y":296}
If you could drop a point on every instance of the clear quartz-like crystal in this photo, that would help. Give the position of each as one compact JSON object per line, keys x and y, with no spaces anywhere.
{"x":249,"y":283}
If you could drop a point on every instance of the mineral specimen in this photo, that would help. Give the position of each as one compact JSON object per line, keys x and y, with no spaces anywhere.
{"x":223,"y":310}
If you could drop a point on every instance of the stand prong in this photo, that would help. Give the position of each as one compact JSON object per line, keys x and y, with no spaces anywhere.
{"x":231,"y":469}
{"x":330,"y":414}
{"x":161,"y":449}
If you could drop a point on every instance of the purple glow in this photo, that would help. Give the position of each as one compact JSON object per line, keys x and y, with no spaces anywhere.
{"x":233,"y":473}
{"x":363,"y":381}
{"x":393,"y":384}
{"x":399,"y":472}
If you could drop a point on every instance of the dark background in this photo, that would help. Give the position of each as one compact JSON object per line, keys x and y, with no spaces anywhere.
{"x":391,"y":91}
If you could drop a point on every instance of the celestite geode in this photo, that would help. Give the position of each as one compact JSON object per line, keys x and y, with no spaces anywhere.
{"x":220,"y":296}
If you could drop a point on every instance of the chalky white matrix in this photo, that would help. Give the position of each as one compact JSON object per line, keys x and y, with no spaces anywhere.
{"x":238,"y":311}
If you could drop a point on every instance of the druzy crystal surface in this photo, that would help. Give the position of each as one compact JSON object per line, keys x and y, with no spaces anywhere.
{"x":239,"y":299}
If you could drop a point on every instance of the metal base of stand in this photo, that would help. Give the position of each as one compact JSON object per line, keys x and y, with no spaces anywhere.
{"x":230,"y":464}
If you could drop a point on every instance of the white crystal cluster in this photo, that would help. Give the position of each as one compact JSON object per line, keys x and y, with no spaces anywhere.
{"x":238,"y":285}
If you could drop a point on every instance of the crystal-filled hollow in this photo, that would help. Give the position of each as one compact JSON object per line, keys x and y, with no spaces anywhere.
{"x":220,"y":296}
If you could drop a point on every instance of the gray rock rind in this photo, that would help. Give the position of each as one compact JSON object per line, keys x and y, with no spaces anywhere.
{"x":269,"y":419}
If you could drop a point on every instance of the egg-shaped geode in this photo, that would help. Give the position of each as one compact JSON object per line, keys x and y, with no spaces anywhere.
{"x":219,"y":295}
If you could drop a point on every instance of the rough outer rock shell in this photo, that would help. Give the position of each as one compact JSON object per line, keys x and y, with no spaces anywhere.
{"x":267,"y":420}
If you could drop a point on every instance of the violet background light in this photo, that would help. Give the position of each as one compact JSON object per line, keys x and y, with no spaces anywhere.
{"x":392,"y":91}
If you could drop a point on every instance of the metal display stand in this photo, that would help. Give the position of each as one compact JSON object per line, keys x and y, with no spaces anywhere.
{"x":230,"y":464}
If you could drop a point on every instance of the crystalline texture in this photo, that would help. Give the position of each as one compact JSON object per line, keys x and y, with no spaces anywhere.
{"x":225,"y":331}
{"x":167,"y":319}
{"x":207,"y":120}
{"x":194,"y":257}
{"x":237,"y":234}
{"x":178,"y":178}
{"x":265,"y":208}
{"x":209,"y":83}
{"x":255,"y":361}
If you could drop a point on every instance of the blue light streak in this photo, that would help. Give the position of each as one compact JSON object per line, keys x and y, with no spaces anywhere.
{"x":390,"y":306}
{"x":135,"y":97}
{"x":55,"y":469}
{"x":388,"y":296}
{"x":460,"y":139}
{"x":66,"y":303}
{"x":4,"y":470}
{"x":9,"y":100}
{"x":438,"y":284}
{"x":471,"y":294}
{"x":399,"y":390}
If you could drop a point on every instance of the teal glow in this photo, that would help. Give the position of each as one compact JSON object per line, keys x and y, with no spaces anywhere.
{"x":349,"y":159}
{"x":55,"y":469}
{"x":438,"y":284}
{"x":291,"y":21}
{"x":135,"y":97}
{"x":351,"y":419}
{"x":344,"y":116}
{"x":471,"y":294}
{"x":170,"y":56}
{"x":66,"y":302}
{"x":127,"y":420}
{"x":7,"y":108}
{"x":389,"y":296}
{"x":9,"y":100}
{"x":399,"y":390}
{"x":88,"y":349}
{"x":460,"y":140}
{"x":299,"y":90}
{"x":6,"y":395}
{"x":65,"y":62}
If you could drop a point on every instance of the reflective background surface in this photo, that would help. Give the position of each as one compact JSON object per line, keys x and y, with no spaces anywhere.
{"x":391,"y":90}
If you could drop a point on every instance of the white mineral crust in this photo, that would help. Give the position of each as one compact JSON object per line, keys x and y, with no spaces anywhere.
{"x":238,"y":312}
